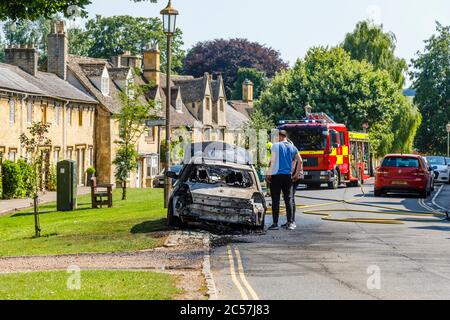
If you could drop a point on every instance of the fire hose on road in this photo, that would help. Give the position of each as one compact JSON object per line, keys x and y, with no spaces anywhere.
{"x":327,"y":214}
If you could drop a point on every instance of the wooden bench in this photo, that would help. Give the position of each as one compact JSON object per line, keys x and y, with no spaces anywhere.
{"x":101,"y":194}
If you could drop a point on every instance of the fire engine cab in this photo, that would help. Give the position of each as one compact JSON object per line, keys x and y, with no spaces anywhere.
{"x":330,"y":153}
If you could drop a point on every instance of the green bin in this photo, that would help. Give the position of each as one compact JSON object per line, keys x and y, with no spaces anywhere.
{"x":66,"y":185}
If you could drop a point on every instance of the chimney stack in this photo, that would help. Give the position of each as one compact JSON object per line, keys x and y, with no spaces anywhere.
{"x":24,"y":57}
{"x":129,"y":60}
{"x":247,"y":91}
{"x":58,"y":50}
{"x":152,"y":64}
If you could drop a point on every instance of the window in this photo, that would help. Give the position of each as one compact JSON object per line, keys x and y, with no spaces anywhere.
{"x":342,"y":138}
{"x":69,"y":154}
{"x":179,"y":105}
{"x":207,"y":103}
{"x":105,"y":85}
{"x":207,"y":135}
{"x":55,"y":156}
{"x":69,"y":116}
{"x":152,"y":166}
{"x":193,"y":105}
{"x":12,"y":155}
{"x":90,"y":157}
{"x":221,"y":105}
{"x":57,"y":115}
{"x":44,"y":114}
{"x":80,"y":117}
{"x":12,"y":112}
{"x":29,"y":112}
{"x":90,"y":117}
{"x":151,"y":134}
{"x":158,"y":105}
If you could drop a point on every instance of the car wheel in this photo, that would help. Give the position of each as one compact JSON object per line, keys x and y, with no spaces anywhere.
{"x":424,"y":194}
{"x":334,"y":184}
{"x":173,"y":221}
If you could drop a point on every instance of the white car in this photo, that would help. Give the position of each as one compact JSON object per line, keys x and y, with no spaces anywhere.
{"x":440,"y":167}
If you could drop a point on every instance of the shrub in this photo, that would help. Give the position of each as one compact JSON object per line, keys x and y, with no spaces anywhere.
{"x":11,"y":179}
{"x":90,"y":171}
{"x":51,"y":179}
{"x":28,"y":179}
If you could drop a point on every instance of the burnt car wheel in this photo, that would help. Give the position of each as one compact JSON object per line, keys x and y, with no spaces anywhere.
{"x":172,"y":220}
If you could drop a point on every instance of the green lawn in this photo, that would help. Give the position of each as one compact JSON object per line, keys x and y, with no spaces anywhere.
{"x":126,"y":227}
{"x":94,"y":285}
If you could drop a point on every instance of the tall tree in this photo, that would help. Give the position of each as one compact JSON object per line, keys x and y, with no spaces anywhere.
{"x":131,"y":119}
{"x":109,"y":36}
{"x":227,"y":56}
{"x":33,"y":9}
{"x":350,"y":91}
{"x":258,"y":78}
{"x":431,"y":80}
{"x":369,"y":42}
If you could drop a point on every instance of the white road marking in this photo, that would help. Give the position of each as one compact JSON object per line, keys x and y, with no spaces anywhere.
{"x":435,"y":197}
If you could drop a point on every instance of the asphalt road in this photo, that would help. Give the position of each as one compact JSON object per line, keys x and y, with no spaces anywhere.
{"x":342,"y":260}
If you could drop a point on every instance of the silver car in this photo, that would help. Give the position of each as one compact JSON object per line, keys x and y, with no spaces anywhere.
{"x":218,"y":185}
{"x":440,"y":167}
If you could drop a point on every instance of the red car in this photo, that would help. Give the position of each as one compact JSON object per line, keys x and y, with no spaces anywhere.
{"x":403,"y":173}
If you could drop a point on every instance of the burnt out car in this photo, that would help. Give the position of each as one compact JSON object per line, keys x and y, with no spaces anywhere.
{"x":218,"y":186}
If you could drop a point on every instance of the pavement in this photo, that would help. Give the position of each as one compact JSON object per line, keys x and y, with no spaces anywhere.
{"x":12,"y":205}
{"x":343,"y":260}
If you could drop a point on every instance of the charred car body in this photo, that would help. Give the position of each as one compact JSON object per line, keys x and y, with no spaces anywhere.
{"x":217,"y":185}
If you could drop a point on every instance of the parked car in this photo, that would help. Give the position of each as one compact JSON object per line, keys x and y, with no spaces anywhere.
{"x":433,"y":174}
{"x":158,"y":181}
{"x":440,"y":167}
{"x":403,"y":173}
{"x":218,"y":185}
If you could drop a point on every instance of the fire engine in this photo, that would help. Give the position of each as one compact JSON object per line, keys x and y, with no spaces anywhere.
{"x":331,"y":154}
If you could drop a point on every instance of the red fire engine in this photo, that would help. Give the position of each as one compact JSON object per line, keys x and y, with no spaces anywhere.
{"x":330,"y":153}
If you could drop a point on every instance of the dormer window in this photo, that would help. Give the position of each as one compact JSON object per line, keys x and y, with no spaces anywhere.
{"x":179,"y":105}
{"x":105,"y":83}
{"x":158,"y":105}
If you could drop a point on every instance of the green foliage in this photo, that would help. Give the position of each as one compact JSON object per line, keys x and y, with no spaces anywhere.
{"x":257,"y":77}
{"x":369,"y":42}
{"x":11,"y":180}
{"x":105,"y":37}
{"x":28,"y":181}
{"x":431,"y":80}
{"x":126,"y":162}
{"x":34,"y":9}
{"x":90,"y":170}
{"x":350,"y":91}
{"x":51,"y":181}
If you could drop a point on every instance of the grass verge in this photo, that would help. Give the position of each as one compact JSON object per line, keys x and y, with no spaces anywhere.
{"x":94,"y":285}
{"x":128,"y":226}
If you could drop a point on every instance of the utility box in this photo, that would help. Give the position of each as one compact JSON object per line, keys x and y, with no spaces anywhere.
{"x":66,"y":185}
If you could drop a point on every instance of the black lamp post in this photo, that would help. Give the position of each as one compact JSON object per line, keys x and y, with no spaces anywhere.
{"x":169,"y":15}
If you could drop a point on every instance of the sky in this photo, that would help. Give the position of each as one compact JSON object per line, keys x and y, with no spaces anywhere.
{"x":292,"y":26}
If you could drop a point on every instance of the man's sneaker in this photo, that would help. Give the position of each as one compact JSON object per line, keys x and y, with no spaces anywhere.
{"x":294,"y":225}
{"x":274,"y":227}
{"x":290,"y":226}
{"x":284,"y":225}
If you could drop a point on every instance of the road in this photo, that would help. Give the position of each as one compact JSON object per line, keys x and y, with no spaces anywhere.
{"x":343,"y":260}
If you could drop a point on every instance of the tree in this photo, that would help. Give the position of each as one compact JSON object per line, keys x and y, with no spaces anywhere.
{"x":369,"y":42}
{"x":350,"y":91}
{"x":227,"y":56}
{"x":33,"y":9}
{"x":131,"y":119}
{"x":110,"y":36}
{"x":431,"y":80}
{"x":33,"y":144}
{"x":30,"y":32}
{"x":257,"y":77}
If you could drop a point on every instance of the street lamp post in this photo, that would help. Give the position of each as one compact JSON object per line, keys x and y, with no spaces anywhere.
{"x":169,"y":15}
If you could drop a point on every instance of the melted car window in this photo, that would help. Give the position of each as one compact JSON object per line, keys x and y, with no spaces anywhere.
{"x":221,"y":175}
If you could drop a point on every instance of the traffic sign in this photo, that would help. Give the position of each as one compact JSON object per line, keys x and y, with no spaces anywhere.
{"x":155,"y":123}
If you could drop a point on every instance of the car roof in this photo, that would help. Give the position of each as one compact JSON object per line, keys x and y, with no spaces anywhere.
{"x":398,"y":155}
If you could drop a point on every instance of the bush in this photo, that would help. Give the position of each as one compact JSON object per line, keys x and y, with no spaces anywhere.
{"x":28,"y":179}
{"x":90,"y":171}
{"x":51,"y":180}
{"x":11,"y":179}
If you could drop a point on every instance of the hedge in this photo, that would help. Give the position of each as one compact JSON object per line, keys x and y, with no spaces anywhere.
{"x":17,"y":179}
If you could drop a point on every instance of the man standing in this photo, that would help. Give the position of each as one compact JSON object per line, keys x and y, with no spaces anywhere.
{"x":280,"y":176}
